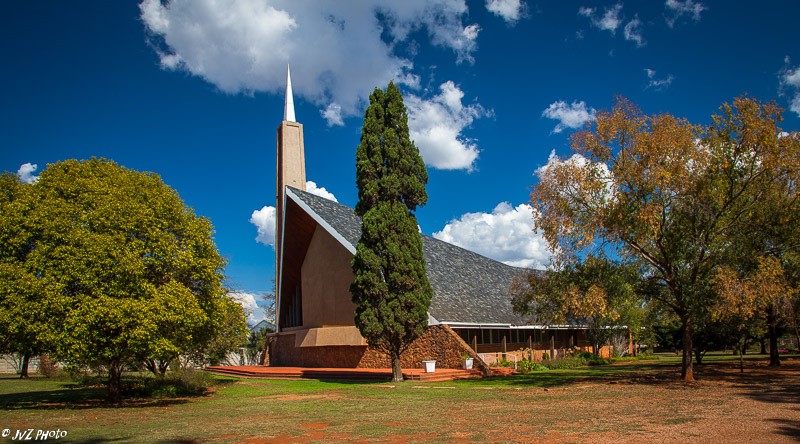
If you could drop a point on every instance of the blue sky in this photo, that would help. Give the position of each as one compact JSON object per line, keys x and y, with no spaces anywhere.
{"x":193,"y":90}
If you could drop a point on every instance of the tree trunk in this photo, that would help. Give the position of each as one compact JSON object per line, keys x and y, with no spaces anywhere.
{"x":741,"y":362}
{"x":687,"y":371}
{"x":698,"y":356}
{"x":114,"y":382}
{"x":23,"y":368}
{"x":150,"y":365}
{"x":763,"y":342}
{"x":797,"y":336}
{"x":397,"y":371}
{"x":772,"y":332}
{"x":163,"y":366}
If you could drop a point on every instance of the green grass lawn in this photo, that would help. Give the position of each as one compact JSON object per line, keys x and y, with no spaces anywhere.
{"x":584,"y":404}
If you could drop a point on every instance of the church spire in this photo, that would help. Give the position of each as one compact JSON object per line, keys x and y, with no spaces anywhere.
{"x":288,"y":106}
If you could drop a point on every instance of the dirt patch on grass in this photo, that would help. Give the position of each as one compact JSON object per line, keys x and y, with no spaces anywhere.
{"x":304,"y":397}
{"x":645,"y":404}
{"x":760,"y":405}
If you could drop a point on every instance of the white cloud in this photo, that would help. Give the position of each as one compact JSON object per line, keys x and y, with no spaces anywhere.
{"x":612,"y":19}
{"x":264,"y":219}
{"x":333,"y":115}
{"x":506,"y":234}
{"x":339,"y":51}
{"x":435,"y":126}
{"x":790,"y":82}
{"x":312,"y":188}
{"x":248,"y":301}
{"x":656,"y":83}
{"x":677,"y":9}
{"x":508,"y":10}
{"x":25,"y":173}
{"x":609,"y":21}
{"x":569,"y":116}
{"x":633,"y":31}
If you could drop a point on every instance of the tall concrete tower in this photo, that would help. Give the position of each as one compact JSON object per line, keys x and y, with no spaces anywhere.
{"x":291,"y":165}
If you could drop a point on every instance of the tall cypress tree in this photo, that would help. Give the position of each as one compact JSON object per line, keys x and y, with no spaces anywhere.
{"x":390,"y":289}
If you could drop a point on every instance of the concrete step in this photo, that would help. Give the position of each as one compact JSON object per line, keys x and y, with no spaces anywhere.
{"x":343,"y":374}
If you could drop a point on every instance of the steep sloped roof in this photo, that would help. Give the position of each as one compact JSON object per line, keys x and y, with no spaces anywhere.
{"x":468,"y":288}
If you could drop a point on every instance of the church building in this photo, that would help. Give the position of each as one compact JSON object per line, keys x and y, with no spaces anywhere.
{"x":470,"y":311}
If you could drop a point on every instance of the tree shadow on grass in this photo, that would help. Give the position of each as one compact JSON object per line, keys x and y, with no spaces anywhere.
{"x":788,"y":427}
{"x":759,"y":381}
{"x":77,"y":399}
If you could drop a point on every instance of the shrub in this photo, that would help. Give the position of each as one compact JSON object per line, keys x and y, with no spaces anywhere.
{"x":595,"y":360}
{"x":564,"y":363}
{"x":528,"y":366}
{"x":192,"y":381}
{"x":47,"y":367}
{"x":502,"y":363}
{"x":181,"y":382}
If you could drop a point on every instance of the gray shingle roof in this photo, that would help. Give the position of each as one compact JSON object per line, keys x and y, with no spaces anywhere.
{"x":468,"y":287}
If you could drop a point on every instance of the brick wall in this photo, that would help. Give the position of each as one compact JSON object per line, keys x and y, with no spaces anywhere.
{"x":438,"y":342}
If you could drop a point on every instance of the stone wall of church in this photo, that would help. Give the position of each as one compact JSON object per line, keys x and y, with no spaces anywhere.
{"x":438,"y":342}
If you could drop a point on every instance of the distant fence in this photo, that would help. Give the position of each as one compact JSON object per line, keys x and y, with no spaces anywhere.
{"x":11,"y":363}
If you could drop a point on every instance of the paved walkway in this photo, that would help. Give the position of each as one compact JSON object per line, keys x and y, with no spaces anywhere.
{"x":346,"y":374}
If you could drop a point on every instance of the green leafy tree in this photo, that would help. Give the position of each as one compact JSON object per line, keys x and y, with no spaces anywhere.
{"x":390,"y":289}
{"x":121,"y":268}
{"x":22,"y":320}
{"x":256,"y":344}
{"x":674,"y":196}
{"x":231,"y":336}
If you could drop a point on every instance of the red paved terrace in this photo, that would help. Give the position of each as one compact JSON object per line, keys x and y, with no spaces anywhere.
{"x":345,"y":374}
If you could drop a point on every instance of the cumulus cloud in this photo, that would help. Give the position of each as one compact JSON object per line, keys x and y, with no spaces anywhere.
{"x":573,"y":115}
{"x":509,"y":10}
{"x":333,"y":115}
{"x":339,"y":51}
{"x":790,"y":84}
{"x":609,"y":21}
{"x":435,"y":126}
{"x":312,"y":188}
{"x":264,"y":219}
{"x":249,"y":303}
{"x":25,"y":172}
{"x":656,"y":83}
{"x":633,"y":31}
{"x":506,"y":235}
{"x":677,"y":9}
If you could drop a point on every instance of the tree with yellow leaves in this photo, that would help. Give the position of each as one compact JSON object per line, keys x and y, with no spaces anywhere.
{"x":675,"y":197}
{"x":596,"y":293}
